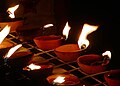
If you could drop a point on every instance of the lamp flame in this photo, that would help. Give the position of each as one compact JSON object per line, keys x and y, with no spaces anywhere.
{"x":12,"y":50}
{"x":87,"y":29}
{"x":11,"y":11}
{"x":48,"y":25}
{"x":66,"y":30}
{"x":4,"y":33}
{"x":33,"y":66}
{"x":59,"y":79}
{"x":107,"y":53}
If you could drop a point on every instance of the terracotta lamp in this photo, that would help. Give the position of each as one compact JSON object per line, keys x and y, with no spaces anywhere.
{"x":20,"y":59}
{"x":38,"y":71}
{"x":113,"y":77}
{"x":63,"y":80}
{"x":93,"y":63}
{"x":11,"y":20}
{"x":48,"y":42}
{"x":29,"y":31}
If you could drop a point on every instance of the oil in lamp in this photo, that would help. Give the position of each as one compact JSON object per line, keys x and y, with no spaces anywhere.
{"x":94,"y":63}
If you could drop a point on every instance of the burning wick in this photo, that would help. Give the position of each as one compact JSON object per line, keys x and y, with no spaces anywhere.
{"x":33,"y":67}
{"x":48,"y":25}
{"x":11,"y":11}
{"x":58,"y":80}
{"x":83,"y":42}
{"x":105,"y":57}
{"x":11,"y":51}
{"x":66,"y":31}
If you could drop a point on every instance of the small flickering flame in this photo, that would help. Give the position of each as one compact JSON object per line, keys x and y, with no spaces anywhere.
{"x":48,"y":25}
{"x":59,"y":80}
{"x":12,"y":50}
{"x":66,"y":30}
{"x":33,"y":66}
{"x":87,"y":29}
{"x":107,"y":53}
{"x":4,"y":33}
{"x":11,"y":11}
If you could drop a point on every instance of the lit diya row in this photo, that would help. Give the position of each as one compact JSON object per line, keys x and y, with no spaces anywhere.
{"x":90,"y":63}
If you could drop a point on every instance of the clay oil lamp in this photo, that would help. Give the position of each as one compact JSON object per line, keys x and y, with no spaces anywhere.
{"x":113,"y":77}
{"x":38,"y":71}
{"x":63,"y":80}
{"x":48,"y":42}
{"x":70,"y":52}
{"x":18,"y":59}
{"x":5,"y":68}
{"x":28,"y":32}
{"x":11,"y":20}
{"x":94,"y":63}
{"x":5,"y":44}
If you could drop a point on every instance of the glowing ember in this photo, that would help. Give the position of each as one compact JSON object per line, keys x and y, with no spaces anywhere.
{"x":48,"y":25}
{"x":59,"y":80}
{"x":66,"y":30}
{"x":11,"y":11}
{"x":4,"y":33}
{"x":87,"y":29}
{"x":33,"y":66}
{"x":12,"y":50}
{"x":107,"y":53}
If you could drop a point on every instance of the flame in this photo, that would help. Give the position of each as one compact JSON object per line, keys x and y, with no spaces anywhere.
{"x":107,"y":53}
{"x":11,"y":11}
{"x":4,"y":33}
{"x":12,"y":50}
{"x":87,"y":29}
{"x":48,"y":25}
{"x":66,"y":30}
{"x":59,"y":79}
{"x":33,"y":66}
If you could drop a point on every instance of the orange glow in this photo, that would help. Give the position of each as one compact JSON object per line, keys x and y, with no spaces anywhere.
{"x":87,"y":29}
{"x":4,"y":33}
{"x":33,"y":66}
{"x":11,"y":11}
{"x":59,"y":80}
{"x":12,"y":50}
{"x":66,"y":30}
{"x":107,"y":53}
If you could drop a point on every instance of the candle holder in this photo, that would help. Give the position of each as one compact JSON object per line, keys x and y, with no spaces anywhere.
{"x":68,"y":52}
{"x":20,"y":59}
{"x":63,"y":80}
{"x":113,"y":77}
{"x":28,"y":32}
{"x":14,"y":23}
{"x":38,"y":71}
{"x":92,"y":63}
{"x":48,"y":42}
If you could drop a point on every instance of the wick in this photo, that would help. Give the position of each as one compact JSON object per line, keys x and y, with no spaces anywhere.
{"x":102,"y":62}
{"x":83,"y":46}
